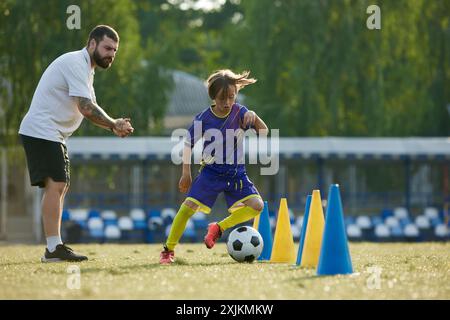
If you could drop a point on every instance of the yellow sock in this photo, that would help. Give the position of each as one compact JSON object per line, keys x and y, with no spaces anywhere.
{"x":178,"y":226}
{"x":239,"y":216}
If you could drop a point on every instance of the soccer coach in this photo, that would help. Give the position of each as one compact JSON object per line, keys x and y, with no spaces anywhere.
{"x":64,"y":96}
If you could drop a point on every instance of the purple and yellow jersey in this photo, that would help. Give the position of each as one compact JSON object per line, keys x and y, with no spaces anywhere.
{"x":230,"y":162}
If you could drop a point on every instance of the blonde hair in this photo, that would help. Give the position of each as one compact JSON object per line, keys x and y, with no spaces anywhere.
{"x":222,"y":79}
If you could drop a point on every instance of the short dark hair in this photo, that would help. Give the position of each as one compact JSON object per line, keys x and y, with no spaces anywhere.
{"x":100,"y":31}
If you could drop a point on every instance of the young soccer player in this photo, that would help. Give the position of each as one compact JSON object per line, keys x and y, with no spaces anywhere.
{"x":219,"y":172}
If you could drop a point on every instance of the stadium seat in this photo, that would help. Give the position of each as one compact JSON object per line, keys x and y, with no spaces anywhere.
{"x":79,"y":216}
{"x":168,"y":214}
{"x":154,"y":223}
{"x":411,"y":232}
{"x":299,"y":222}
{"x":365,"y":225}
{"x":441,"y":232}
{"x":154,"y":213}
{"x":385,"y":213}
{"x":354,"y":232}
{"x":392,"y":222}
{"x":112,"y":233}
{"x":109,"y":217}
{"x":65,"y":215}
{"x":125,"y":225}
{"x":363,"y":222}
{"x":376,"y":220}
{"x":424,"y":226}
{"x":382,"y":233}
{"x":200,"y":220}
{"x":401,"y":213}
{"x":93,"y":214}
{"x":189,"y":234}
{"x":295,"y":232}
{"x":431,"y":213}
{"x":404,"y":222}
{"x":139,"y":219}
{"x":349,"y":220}
{"x":95,"y":227}
{"x":397,"y":233}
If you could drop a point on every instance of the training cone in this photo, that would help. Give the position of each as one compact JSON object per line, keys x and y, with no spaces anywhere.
{"x":303,"y":232}
{"x":314,"y":233}
{"x":283,"y":250}
{"x":334,"y":256}
{"x":263,"y":227}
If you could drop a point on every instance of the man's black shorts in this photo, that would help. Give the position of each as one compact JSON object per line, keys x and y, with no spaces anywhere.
{"x":46,"y":159}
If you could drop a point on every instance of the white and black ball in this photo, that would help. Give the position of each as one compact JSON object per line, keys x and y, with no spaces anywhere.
{"x":245,"y":244}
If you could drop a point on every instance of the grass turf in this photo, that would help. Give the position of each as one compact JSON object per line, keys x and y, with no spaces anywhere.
{"x":408,"y":271}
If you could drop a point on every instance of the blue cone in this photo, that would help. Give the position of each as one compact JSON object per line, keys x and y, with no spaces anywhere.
{"x":334,"y":254}
{"x":266,"y":233}
{"x":303,"y":232}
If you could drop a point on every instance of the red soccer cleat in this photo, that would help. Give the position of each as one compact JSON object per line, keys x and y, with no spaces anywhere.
{"x":213,"y":234}
{"x":167,"y":256}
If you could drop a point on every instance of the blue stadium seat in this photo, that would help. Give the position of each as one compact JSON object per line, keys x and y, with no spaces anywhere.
{"x":376,"y":220}
{"x":94,"y":214}
{"x":65,"y":215}
{"x":385,"y":213}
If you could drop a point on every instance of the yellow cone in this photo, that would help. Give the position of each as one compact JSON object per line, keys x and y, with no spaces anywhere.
{"x":314,"y":232}
{"x":283,"y":249}
{"x":256,"y":222}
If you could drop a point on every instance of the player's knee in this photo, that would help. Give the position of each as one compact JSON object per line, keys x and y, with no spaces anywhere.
{"x":190,"y":204}
{"x":258,"y":205}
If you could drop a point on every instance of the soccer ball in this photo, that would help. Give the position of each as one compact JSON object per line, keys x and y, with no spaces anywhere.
{"x":245,"y":244}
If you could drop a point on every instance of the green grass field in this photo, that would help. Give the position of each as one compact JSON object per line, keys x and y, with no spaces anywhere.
{"x":408,"y":271}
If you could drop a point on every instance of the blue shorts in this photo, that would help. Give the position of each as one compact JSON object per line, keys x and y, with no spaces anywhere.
{"x":208,"y":185}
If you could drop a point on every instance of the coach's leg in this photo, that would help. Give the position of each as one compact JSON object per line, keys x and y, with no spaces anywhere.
{"x":52,"y":204}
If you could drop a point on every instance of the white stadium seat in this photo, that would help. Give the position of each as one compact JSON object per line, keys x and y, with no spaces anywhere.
{"x":137,"y":214}
{"x":125,"y":223}
{"x":382,"y":231}
{"x":95,"y":223}
{"x":363,"y":222}
{"x":108,"y":215}
{"x":411,"y":230}
{"x":392,"y":222}
{"x":431,"y":213}
{"x":401,"y":213}
{"x":422,"y":222}
{"x":441,"y":231}
{"x":168,"y":213}
{"x":112,"y":232}
{"x":354,"y":231}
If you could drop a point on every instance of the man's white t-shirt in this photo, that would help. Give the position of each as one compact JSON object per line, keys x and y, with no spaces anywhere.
{"x":54,"y":114}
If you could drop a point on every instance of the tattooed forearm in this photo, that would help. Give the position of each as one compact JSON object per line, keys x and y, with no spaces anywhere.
{"x":94,"y":113}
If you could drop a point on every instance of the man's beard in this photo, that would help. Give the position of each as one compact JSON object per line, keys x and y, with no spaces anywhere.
{"x":102,"y":62}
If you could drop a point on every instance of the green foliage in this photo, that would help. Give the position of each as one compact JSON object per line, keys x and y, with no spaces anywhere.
{"x":321,"y":71}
